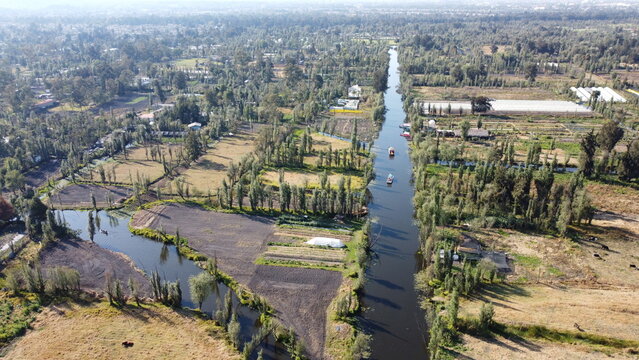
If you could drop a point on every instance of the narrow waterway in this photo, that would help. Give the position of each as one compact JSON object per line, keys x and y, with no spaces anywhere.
{"x":150,"y":255}
{"x":391,"y":311}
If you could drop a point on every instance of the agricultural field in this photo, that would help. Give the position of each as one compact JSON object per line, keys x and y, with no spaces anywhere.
{"x":94,"y":264}
{"x":310,"y":178}
{"x":206,"y":175}
{"x":300,"y":296}
{"x":79,"y":196}
{"x":435,"y":93}
{"x":96,"y":330}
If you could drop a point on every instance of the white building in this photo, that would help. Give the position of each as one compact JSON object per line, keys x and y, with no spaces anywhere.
{"x":354,"y":92}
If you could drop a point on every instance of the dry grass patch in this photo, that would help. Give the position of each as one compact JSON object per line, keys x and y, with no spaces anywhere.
{"x":144,"y":152}
{"x":322,"y":142}
{"x":463,"y":93}
{"x":611,"y":312}
{"x":207,"y":174}
{"x":97,"y":331}
{"x":127,"y":171}
{"x":500,"y":348}
{"x":312,"y":179}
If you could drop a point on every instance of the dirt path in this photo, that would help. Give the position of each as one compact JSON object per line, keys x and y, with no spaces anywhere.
{"x":299,"y":296}
{"x":93,"y":263}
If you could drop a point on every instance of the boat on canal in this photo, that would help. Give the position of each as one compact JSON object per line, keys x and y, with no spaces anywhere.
{"x":390,"y":179}
{"x":391,"y":151}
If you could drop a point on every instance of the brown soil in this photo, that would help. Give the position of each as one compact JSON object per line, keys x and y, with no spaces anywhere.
{"x":38,"y":176}
{"x":79,"y":195}
{"x":299,"y":296}
{"x":93,"y":263}
{"x":97,"y":331}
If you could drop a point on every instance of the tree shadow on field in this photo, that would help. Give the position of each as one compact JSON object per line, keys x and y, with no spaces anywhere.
{"x":210,"y":165}
{"x":500,"y":292}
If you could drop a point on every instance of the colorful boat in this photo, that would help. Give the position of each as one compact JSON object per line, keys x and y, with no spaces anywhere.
{"x":391,"y":151}
{"x":390,"y":178}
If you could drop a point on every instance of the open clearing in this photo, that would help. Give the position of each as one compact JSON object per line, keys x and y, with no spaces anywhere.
{"x":299,"y":296}
{"x":94,"y":264}
{"x":514,"y":106}
{"x":609,"y":311}
{"x":501,"y":348}
{"x":127,"y":171}
{"x":312,"y":179}
{"x":207,"y":173}
{"x":323,"y":142}
{"x":96,"y":331}
{"x":79,"y":196}
{"x":466,"y":92}
{"x":39,"y":175}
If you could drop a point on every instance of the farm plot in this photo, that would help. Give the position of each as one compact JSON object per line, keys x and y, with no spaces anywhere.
{"x":79,"y":196}
{"x":304,"y":255}
{"x":466,"y":92}
{"x":300,"y":296}
{"x":513,"y":106}
{"x":309,"y":178}
{"x":323,"y":142}
{"x":206,"y":175}
{"x":94,"y":264}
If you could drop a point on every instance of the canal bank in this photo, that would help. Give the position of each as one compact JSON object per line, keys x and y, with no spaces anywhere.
{"x":391,"y":311}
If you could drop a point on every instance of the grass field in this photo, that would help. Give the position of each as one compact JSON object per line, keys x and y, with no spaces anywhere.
{"x":612,"y":312}
{"x":312,"y":179}
{"x":127,"y":171}
{"x":464,"y":93}
{"x":322,"y":142}
{"x":207,"y":174}
{"x":68,"y":107}
{"x":189,"y":63}
{"x":96,"y":331}
{"x":138,"y":99}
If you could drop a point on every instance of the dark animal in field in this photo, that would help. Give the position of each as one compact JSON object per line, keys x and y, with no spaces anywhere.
{"x":593,"y":238}
{"x":127,"y":344}
{"x":633,"y":266}
{"x":605,"y":247}
{"x":578,"y":327}
{"x":596,"y":255}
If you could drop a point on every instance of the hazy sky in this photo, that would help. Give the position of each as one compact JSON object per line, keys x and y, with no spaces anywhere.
{"x":101,"y":5}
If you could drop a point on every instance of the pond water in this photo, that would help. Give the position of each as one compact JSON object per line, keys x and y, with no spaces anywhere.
{"x":150,"y":255}
{"x":391,"y":311}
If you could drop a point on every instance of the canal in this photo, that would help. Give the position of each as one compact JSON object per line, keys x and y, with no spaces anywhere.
{"x":391,"y":311}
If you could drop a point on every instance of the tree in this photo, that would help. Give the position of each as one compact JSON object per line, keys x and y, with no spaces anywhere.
{"x":200,"y":286}
{"x":193,"y":146}
{"x":608,"y":136}
{"x":157,"y":88}
{"x":629,"y":164}
{"x":480,"y":104}
{"x":465,"y":126}
{"x":380,"y":80}
{"x":180,"y":80}
{"x":7,"y":212}
{"x":486,"y":314}
{"x":530,"y":71}
{"x":588,"y":149}
{"x":91,"y":226}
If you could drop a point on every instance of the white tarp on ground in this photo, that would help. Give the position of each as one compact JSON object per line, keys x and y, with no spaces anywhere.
{"x":605,"y":93}
{"x":324,"y":241}
{"x":551,"y":106}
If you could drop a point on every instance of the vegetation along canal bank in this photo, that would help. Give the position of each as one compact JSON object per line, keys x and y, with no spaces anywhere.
{"x":391,"y":310}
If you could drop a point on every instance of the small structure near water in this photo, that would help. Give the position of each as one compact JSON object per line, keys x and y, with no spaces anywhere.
{"x":325,"y":241}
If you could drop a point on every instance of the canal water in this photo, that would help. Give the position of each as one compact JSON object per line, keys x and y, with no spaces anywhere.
{"x":391,"y":311}
{"x":150,"y":255}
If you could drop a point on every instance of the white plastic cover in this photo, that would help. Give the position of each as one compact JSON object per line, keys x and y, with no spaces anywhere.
{"x":323,"y":241}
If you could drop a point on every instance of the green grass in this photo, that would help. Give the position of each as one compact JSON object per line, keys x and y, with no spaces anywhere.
{"x":16,"y":315}
{"x":296,"y":263}
{"x":527,"y":261}
{"x":138,"y":99}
